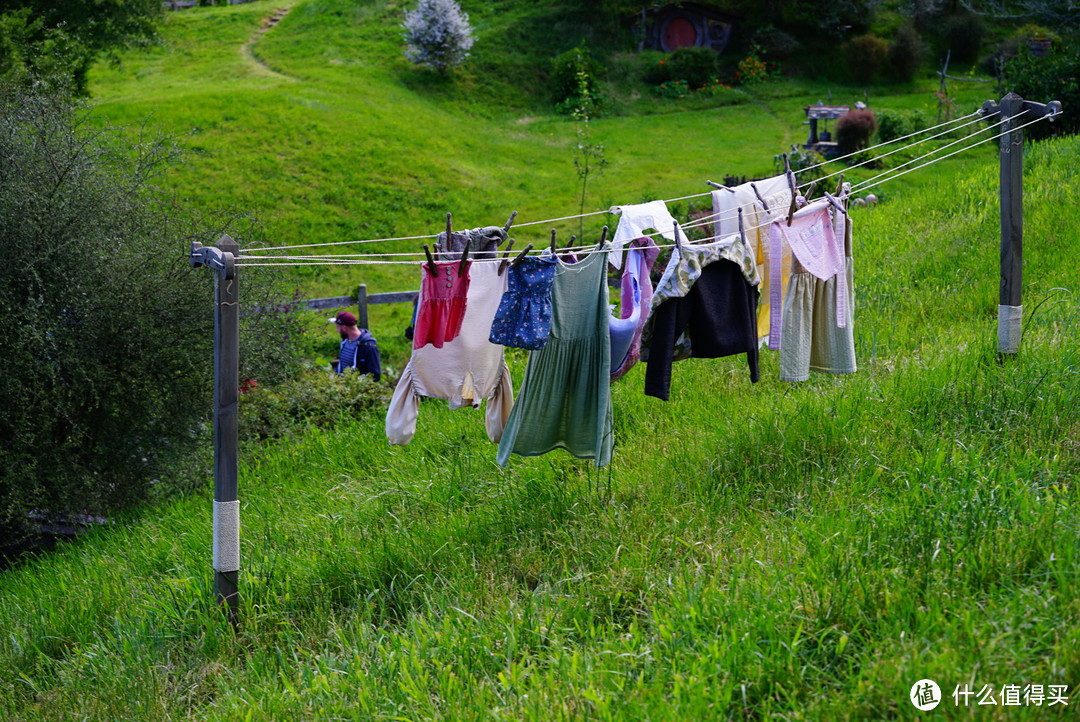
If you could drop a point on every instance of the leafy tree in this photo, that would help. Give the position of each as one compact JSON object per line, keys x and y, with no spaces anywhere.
{"x":65,"y":37}
{"x":437,"y":33}
{"x":106,"y":332}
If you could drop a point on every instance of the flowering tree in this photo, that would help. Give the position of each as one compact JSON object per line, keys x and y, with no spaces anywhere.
{"x":437,"y":33}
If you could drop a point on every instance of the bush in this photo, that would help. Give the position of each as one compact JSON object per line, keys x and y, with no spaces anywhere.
{"x":907,"y":53}
{"x":657,"y":68}
{"x":568,"y":71}
{"x":808,"y":165}
{"x":106,"y":335}
{"x":752,"y":70}
{"x":893,"y":124}
{"x":696,"y":66}
{"x":773,"y":43}
{"x":963,"y":36}
{"x":1053,"y":76}
{"x":316,"y":398}
{"x":866,"y":55}
{"x":673,"y":89}
{"x":854,"y":130}
{"x":437,"y":33}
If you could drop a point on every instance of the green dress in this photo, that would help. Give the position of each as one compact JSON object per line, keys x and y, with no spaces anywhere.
{"x":565,"y":399}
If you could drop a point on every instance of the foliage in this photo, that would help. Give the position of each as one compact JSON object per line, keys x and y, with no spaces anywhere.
{"x":314,"y":399}
{"x":907,"y":53}
{"x":567,"y":71}
{"x":438,"y":34}
{"x":106,"y":335}
{"x":894,"y":124}
{"x":1053,"y":76}
{"x":64,"y":37}
{"x":697,"y":66}
{"x":854,"y":130}
{"x":963,"y":36}
{"x":752,"y":71}
{"x":657,"y":67}
{"x":808,"y":165}
{"x":589,"y":159}
{"x":866,"y":55}
{"x":774,"y":43}
{"x":673,"y":89}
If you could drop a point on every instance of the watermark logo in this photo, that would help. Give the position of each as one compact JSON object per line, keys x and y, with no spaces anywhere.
{"x":925,"y":695}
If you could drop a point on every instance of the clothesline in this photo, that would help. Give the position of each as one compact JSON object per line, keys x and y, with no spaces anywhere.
{"x":602,"y":212}
{"x":370,"y":259}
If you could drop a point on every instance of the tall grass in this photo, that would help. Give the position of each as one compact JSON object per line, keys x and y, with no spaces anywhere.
{"x":772,"y":550}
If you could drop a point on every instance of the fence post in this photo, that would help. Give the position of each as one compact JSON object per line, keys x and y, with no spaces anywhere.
{"x":361,"y":306}
{"x":226,"y":457}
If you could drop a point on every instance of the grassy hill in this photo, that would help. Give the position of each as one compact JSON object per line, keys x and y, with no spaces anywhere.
{"x":802,"y":551}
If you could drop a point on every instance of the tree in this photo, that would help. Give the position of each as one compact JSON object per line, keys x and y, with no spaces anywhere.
{"x":106,"y":332}
{"x":65,"y":37}
{"x":437,"y":33}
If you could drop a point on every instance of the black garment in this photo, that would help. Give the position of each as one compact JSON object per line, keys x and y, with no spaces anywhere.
{"x":719,"y":314}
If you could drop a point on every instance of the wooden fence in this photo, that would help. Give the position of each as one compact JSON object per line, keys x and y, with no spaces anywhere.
{"x":362,"y":301}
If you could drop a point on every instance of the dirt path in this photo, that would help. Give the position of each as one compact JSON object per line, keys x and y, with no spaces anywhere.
{"x":247,"y":49}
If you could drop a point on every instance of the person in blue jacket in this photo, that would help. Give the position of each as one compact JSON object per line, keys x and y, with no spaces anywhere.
{"x":359,"y":350}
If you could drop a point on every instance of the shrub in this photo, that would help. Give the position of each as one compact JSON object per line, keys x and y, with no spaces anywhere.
{"x":106,"y":335}
{"x":963,"y":36}
{"x":696,"y":66}
{"x":774,"y":43}
{"x":894,"y":124}
{"x":568,"y":71}
{"x":854,"y":130}
{"x":752,"y":70}
{"x":673,"y":89}
{"x":907,"y":53}
{"x":657,"y":68}
{"x":866,"y":54}
{"x":807,"y":164}
{"x":1053,"y":76}
{"x":437,"y":33}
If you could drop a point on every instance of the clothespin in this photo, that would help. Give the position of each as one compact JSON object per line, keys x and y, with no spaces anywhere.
{"x":678,"y":242}
{"x":573,"y":240}
{"x":835,"y":203}
{"x":789,"y":174}
{"x":506,"y":253}
{"x":524,"y":252}
{"x":840,"y":185}
{"x":758,"y":194}
{"x":464,"y":257}
{"x":810,"y":191}
{"x":719,"y":187}
{"x":742,"y":233}
{"x":554,"y":249}
{"x":603,"y":236}
{"x":510,"y":221}
{"x":430,"y":261}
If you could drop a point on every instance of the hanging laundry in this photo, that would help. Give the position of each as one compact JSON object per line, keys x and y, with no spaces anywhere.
{"x":709,"y":294}
{"x":443,"y":300}
{"x":812,"y":241}
{"x":523,"y":319}
{"x":635,"y":305}
{"x":483,"y":243}
{"x":463,"y":371}
{"x":776,"y":193}
{"x":811,"y":338}
{"x":634,"y":220}
{"x":565,"y":398}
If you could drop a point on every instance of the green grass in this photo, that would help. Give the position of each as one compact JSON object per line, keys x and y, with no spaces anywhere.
{"x":754,"y":551}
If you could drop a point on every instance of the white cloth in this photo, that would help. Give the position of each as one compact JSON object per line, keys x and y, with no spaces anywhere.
{"x":634,"y":220}
{"x":464,"y":371}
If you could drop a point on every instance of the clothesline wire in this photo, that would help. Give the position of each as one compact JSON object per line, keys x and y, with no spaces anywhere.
{"x":362,"y":259}
{"x":595,"y":213}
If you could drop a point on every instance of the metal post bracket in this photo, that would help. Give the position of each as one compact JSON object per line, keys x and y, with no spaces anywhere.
{"x":221,"y":261}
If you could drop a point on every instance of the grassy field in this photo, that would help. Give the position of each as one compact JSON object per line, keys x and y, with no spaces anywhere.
{"x":754,"y":551}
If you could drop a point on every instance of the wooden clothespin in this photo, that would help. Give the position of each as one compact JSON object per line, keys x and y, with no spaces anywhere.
{"x":510,"y":221}
{"x":835,"y":203}
{"x":462,"y":264}
{"x":742,"y":233}
{"x":603,"y":236}
{"x":791,"y":208}
{"x":719,"y":187}
{"x":678,"y":242}
{"x":810,"y":191}
{"x":840,"y":185}
{"x":430,"y":261}
{"x":570,"y":245}
{"x":554,"y":249}
{"x":758,"y":194}
{"x":790,"y":175}
{"x":524,"y":252}
{"x":505,"y":257}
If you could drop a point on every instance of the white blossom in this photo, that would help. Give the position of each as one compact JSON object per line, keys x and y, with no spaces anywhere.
{"x":437,"y":33}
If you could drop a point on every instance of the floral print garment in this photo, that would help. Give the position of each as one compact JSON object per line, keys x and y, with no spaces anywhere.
{"x":524,"y":316}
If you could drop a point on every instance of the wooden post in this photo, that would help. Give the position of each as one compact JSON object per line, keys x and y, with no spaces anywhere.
{"x":1010,"y":303}
{"x":361,"y":306}
{"x":226,"y":458}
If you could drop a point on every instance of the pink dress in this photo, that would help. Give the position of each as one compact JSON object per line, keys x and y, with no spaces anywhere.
{"x":442,"y":307}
